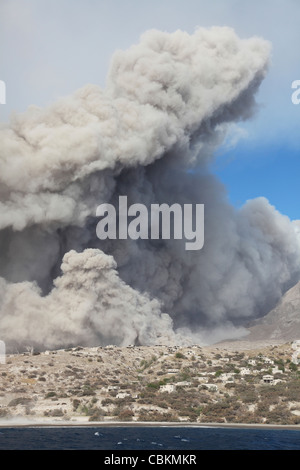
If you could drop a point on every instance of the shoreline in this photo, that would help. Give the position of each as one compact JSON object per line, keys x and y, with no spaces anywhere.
{"x":110,"y":424}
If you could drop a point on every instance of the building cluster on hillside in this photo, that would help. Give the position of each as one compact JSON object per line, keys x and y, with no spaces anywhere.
{"x":102,"y":381}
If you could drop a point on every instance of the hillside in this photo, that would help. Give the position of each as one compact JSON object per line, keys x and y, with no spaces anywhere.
{"x":281,"y":324}
{"x":153,"y":384}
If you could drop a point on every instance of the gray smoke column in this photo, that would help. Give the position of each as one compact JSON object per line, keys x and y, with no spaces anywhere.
{"x":149,"y":135}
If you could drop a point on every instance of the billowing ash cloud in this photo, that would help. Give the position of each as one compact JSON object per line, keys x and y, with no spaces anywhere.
{"x":149,"y":135}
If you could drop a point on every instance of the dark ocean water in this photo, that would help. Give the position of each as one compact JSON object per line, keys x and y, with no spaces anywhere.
{"x":147,"y":438}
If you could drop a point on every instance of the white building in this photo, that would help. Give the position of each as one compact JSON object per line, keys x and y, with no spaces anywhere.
{"x":113,"y":388}
{"x":245,"y":371}
{"x":169,"y":388}
{"x":123,"y":395}
{"x":267,"y":360}
{"x":184,"y":384}
{"x":276,"y":370}
{"x":172,"y":371}
{"x":268,"y":379}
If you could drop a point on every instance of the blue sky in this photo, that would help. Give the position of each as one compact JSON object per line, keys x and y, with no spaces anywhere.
{"x":49,"y":48}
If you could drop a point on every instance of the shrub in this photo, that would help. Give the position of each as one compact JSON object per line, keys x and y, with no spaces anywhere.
{"x":76,"y":404}
{"x":107,"y":401}
{"x":291,"y":393}
{"x":230,"y":385}
{"x":278,"y":415}
{"x":153,"y":385}
{"x":54,"y":413}
{"x":97,"y":414}
{"x":293,"y":367}
{"x":87,"y":391}
{"x":19,"y":401}
{"x":126,"y":414}
{"x":146,"y":415}
{"x":179,"y":355}
{"x":3,"y":413}
{"x":262,"y":408}
{"x":50,"y":395}
{"x":280,"y":364}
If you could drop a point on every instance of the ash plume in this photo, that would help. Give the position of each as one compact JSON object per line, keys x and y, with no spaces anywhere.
{"x":149,"y":135}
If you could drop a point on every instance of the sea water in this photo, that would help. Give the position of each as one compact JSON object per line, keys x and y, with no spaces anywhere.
{"x":146,"y":438}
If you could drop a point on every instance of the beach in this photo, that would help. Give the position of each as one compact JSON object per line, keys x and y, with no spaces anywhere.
{"x":107,"y":424}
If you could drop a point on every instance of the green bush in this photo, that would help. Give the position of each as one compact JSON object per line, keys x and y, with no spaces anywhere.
{"x":153,"y":385}
{"x":293,"y":367}
{"x":179,"y":355}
